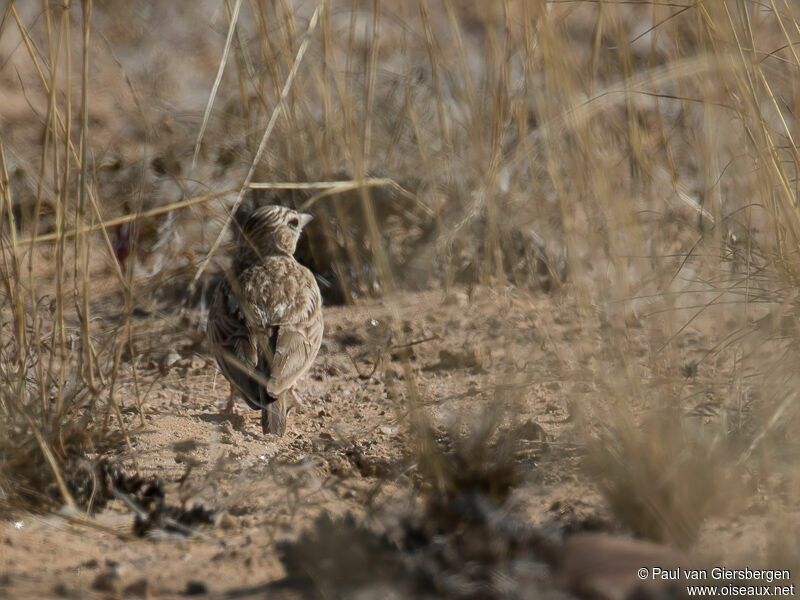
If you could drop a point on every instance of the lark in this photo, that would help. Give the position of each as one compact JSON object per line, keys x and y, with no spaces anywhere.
{"x":265,"y":319}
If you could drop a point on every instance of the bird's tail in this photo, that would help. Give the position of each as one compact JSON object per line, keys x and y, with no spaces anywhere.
{"x":273,"y":416}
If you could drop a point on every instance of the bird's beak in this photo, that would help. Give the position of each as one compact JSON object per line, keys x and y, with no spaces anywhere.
{"x":305,"y":219}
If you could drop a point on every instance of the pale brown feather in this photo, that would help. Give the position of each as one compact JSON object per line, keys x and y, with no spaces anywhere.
{"x":265,"y":325}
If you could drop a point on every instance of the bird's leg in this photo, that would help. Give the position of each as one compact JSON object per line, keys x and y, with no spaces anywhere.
{"x":296,"y":401}
{"x":230,"y":407}
{"x":296,"y":398}
{"x":265,"y":414}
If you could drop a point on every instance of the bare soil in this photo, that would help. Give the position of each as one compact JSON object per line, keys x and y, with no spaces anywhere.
{"x":347,"y":449}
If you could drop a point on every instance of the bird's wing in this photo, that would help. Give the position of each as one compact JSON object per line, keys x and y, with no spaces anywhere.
{"x":280,"y":293}
{"x":235,"y":347}
{"x":295,"y":350}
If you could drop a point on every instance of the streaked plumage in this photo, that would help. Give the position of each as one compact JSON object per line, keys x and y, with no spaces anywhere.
{"x":265,"y":320}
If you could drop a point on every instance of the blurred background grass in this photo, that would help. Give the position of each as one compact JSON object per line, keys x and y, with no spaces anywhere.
{"x":636,"y":161}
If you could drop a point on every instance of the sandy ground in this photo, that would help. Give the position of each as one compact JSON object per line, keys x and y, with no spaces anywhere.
{"x":557,"y":370}
{"x":347,"y":449}
{"x":344,"y":451}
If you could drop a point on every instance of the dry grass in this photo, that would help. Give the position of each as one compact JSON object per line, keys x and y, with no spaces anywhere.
{"x":638,"y":160}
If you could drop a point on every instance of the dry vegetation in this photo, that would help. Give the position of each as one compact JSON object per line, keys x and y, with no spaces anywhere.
{"x":558,"y":242}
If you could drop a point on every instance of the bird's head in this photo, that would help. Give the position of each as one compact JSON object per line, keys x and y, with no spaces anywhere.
{"x":270,"y":230}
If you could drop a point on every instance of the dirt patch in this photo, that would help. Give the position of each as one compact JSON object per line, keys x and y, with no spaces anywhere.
{"x":347,"y":451}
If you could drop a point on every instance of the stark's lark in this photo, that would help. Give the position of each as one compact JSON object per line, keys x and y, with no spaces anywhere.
{"x":265,"y":320}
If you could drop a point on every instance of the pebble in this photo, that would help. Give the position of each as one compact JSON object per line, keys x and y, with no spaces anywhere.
{"x":225,"y":521}
{"x":139,"y":588}
{"x":169,"y":359}
{"x":107,"y":581}
{"x":456,"y":298}
{"x":196,"y":588}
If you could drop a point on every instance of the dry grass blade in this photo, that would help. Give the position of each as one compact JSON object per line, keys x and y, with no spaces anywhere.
{"x":339,"y":187}
{"x":222,"y":62}
{"x":104,"y":226}
{"x":312,"y":24}
{"x":46,"y":452}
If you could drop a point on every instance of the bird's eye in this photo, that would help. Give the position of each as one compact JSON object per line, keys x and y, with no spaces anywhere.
{"x":294,"y":222}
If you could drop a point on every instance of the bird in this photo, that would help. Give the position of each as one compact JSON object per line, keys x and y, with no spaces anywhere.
{"x":265,"y":322}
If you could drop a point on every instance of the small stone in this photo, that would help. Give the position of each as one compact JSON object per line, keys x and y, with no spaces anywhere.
{"x":62,"y":591}
{"x":350,"y":339}
{"x":532,"y":431}
{"x":187,"y":445}
{"x":196,"y":588}
{"x":167,"y":361}
{"x":139,"y":588}
{"x":456,"y":298}
{"x":225,"y":521}
{"x":107,"y":581}
{"x":89,"y":564}
{"x":339,"y":466}
{"x":471,"y":358}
